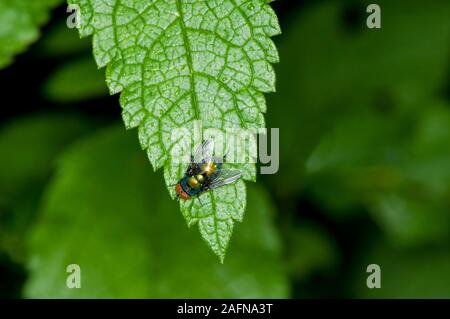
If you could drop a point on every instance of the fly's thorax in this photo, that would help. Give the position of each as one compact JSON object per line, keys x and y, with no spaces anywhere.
{"x":193,"y":182}
{"x":200,"y":178}
{"x":209,"y":168}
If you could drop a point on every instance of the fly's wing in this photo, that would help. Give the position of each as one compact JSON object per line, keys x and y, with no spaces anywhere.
{"x":204,"y":152}
{"x":225,"y":177}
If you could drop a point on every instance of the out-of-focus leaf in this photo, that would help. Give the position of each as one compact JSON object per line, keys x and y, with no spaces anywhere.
{"x":404,"y":274}
{"x":330,"y":70}
{"x":19,"y":27}
{"x":396,"y":167}
{"x":411,"y":221}
{"x":309,"y":250}
{"x":428,"y":154}
{"x":363,"y":138}
{"x":60,"y":41}
{"x":106,"y":212}
{"x":417,"y":210}
{"x":357,"y":156}
{"x":29,"y":147}
{"x":360,"y":125}
{"x":15,"y":220}
{"x":75,"y":81}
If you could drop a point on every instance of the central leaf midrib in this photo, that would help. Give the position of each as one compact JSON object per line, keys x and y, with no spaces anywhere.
{"x":187,"y":47}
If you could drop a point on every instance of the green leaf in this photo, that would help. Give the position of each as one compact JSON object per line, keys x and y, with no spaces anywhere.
{"x":29,"y":147}
{"x":396,"y":167}
{"x":410,"y":220}
{"x":59,"y":41}
{"x":21,"y":20}
{"x":106,"y":212}
{"x":177,"y":62}
{"x":309,"y":249}
{"x":420,"y":273}
{"x":369,"y":69}
{"x":90,"y":83}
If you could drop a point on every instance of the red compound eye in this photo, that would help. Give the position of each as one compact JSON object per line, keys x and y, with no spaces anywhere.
{"x":181,"y":193}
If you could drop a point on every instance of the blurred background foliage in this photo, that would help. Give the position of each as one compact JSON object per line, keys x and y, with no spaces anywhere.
{"x":364,"y":120}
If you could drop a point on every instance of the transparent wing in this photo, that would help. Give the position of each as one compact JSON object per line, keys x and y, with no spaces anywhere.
{"x":204,"y":152}
{"x":226,"y":176}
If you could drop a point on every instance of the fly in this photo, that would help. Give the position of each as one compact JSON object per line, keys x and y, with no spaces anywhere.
{"x":205,"y":173}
